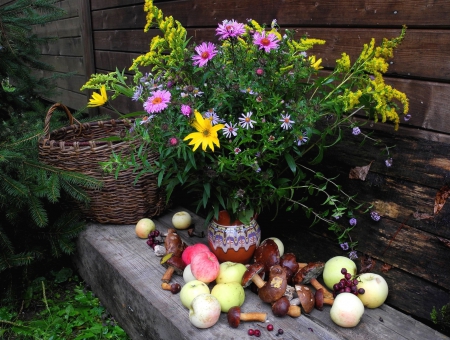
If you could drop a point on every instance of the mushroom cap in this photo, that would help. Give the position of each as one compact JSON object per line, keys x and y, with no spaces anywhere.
{"x":268,"y":254}
{"x":289,"y":262}
{"x":319,"y":299}
{"x":275,"y":286}
{"x":234,"y":316}
{"x":306,"y":297}
{"x":252,"y":270}
{"x":281,"y":306}
{"x":305,"y":274}
{"x":169,"y":260}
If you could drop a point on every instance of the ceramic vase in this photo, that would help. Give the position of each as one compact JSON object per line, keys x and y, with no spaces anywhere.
{"x":232,"y":240}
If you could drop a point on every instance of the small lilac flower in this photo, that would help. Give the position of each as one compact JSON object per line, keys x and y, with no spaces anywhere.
{"x":388,"y":162}
{"x":344,"y":246}
{"x":205,"y":52}
{"x":186,"y":110}
{"x":146,"y":119}
{"x":407,"y":117}
{"x":352,"y":221}
{"x":212,"y":115}
{"x":237,"y":150}
{"x":267,"y":43}
{"x":137,"y":93}
{"x":287,"y":122}
{"x":230,"y":130}
{"x":356,"y":131}
{"x":230,"y":29}
{"x":375,"y":216}
{"x":197,"y":93}
{"x":245,"y":121}
{"x":157,"y":102}
{"x":302,"y":139}
{"x":353,"y":255}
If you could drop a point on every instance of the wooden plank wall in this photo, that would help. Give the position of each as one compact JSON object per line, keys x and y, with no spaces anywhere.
{"x":415,"y":247}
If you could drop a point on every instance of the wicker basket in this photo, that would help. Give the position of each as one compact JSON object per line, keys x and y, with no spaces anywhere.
{"x":77,"y":148}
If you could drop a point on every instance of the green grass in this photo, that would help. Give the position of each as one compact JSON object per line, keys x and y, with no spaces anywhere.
{"x":58,"y":309}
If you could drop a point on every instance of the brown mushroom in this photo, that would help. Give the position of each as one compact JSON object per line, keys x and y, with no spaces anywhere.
{"x":235,"y":316}
{"x":275,"y":286}
{"x":174,"y":287}
{"x":173,"y":243}
{"x":283,"y":307}
{"x":289,"y":262}
{"x":322,"y":300}
{"x":267,"y":254}
{"x":252,"y":275}
{"x":306,"y":296}
{"x":174,"y":264}
{"x":309,"y":274}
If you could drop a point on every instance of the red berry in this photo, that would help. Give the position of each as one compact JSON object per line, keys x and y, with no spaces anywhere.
{"x":257,"y":333}
{"x":270,"y":327}
{"x":251,"y":332}
{"x":156,"y":233}
{"x":280,"y":331}
{"x":343,"y":271}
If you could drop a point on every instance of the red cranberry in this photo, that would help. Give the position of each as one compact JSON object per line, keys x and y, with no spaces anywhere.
{"x":257,"y":333}
{"x":251,"y":332}
{"x":270,"y":327}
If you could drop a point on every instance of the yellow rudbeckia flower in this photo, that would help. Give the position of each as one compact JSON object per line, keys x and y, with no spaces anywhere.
{"x":98,"y":99}
{"x":206,"y":133}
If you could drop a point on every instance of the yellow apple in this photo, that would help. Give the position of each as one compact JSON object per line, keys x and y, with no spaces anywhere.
{"x":144,"y":227}
{"x":375,"y":290}
{"x":230,"y":272}
{"x":181,"y":220}
{"x":332,"y":270}
{"x":229,"y":295}
{"x":190,"y":290}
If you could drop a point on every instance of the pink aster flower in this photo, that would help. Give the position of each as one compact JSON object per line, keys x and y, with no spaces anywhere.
{"x":157,"y":101}
{"x":205,"y":52}
{"x":186,"y":110}
{"x":267,"y":43}
{"x":230,"y":29}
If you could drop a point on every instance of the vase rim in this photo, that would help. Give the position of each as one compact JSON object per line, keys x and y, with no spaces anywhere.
{"x":224,"y":220}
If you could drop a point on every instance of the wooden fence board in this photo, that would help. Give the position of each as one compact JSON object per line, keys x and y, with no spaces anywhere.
{"x":71,"y":47}
{"x":64,"y":63}
{"x":64,"y":28}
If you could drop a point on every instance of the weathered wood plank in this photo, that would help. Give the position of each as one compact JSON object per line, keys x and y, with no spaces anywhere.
{"x":301,"y":13}
{"x":73,"y":100}
{"x":63,"y":28}
{"x":71,"y":47}
{"x":129,"y":287}
{"x":64,"y":64}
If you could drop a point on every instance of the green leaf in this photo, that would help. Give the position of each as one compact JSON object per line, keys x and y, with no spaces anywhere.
{"x":291,"y":162}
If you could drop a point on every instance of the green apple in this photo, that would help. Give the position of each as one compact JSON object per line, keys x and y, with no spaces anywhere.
{"x":332,"y":270}
{"x":375,"y":290}
{"x":187,"y":274}
{"x":190,"y":290}
{"x":229,"y":294}
{"x":181,"y":220}
{"x":230,"y":272}
{"x":346,"y":310}
{"x":144,"y":227}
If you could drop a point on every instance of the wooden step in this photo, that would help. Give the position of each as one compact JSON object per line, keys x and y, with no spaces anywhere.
{"x":125,"y":274}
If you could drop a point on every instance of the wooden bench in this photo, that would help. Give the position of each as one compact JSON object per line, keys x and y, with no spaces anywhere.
{"x":125,"y":274}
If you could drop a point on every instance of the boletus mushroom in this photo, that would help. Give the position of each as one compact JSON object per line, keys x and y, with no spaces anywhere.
{"x":174,"y":287}
{"x":173,"y":243}
{"x":283,"y":307}
{"x":173,"y":264}
{"x":268,"y":254}
{"x":275,"y":286}
{"x":309,"y":274}
{"x":252,"y":274}
{"x":322,"y":300}
{"x":235,"y":316}
{"x":306,"y":297}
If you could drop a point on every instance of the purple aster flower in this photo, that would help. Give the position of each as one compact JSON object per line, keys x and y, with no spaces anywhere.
{"x":267,"y":43}
{"x":388,"y":162}
{"x":137,"y":93}
{"x":245,"y":121}
{"x":205,"y":52}
{"x":230,"y":130}
{"x":157,"y":102}
{"x":230,"y":29}
{"x":407,"y":117}
{"x":302,"y":139}
{"x":353,"y":221}
{"x":375,"y":216}
{"x":356,"y":131}
{"x":287,"y":122}
{"x":344,"y":246}
{"x":186,"y":110}
{"x":237,"y":150}
{"x":353,"y":255}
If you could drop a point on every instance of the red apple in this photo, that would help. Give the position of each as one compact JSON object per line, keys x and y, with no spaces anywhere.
{"x":205,"y":266}
{"x":193,"y":250}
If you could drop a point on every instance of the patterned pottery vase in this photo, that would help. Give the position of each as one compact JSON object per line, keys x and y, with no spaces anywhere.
{"x":233,"y":241}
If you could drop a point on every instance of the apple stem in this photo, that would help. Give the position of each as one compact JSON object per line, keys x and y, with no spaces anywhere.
{"x":317,"y":285}
{"x":168,"y":274}
{"x":258,"y":281}
{"x":254,"y":316}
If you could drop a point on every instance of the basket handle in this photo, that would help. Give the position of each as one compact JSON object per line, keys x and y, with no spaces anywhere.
{"x":49,"y":116}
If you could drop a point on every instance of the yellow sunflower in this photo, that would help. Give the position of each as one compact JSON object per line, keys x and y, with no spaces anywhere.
{"x":98,"y":99}
{"x":206,"y":133}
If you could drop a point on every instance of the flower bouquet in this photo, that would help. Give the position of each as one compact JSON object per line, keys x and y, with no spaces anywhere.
{"x":240,"y":121}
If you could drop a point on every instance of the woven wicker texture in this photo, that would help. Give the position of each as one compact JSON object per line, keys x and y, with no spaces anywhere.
{"x":77,"y":147}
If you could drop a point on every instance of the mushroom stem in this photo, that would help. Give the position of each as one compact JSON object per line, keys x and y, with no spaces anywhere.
{"x":258,"y":281}
{"x":174,"y":287}
{"x":317,"y":285}
{"x":253,"y":316}
{"x":294,"y":311}
{"x":168,"y":274}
